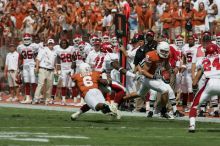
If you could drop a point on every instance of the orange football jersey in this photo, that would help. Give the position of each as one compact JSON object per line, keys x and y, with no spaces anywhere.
{"x":86,"y":81}
{"x":154,"y":59}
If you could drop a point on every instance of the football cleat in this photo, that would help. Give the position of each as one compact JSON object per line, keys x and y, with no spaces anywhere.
{"x":192,"y":129}
{"x":150,"y":114}
{"x":113,"y":109}
{"x":75,"y":115}
{"x":27,"y":100}
{"x":201,"y":114}
{"x":168,"y":115}
{"x":216,"y":114}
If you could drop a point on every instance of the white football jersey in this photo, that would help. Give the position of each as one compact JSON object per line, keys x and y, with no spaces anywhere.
{"x":28,"y":53}
{"x":130,"y":59}
{"x":66,"y":57}
{"x":188,"y":52}
{"x":91,"y":58}
{"x":109,"y":58}
{"x":99,"y":62}
{"x":211,"y":66}
{"x":79,"y":56}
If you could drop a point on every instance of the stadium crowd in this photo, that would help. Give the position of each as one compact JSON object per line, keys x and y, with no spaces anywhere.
{"x":50,"y":42}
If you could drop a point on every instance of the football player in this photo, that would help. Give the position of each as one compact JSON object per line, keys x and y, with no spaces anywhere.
{"x":27,"y":52}
{"x":151,"y":68}
{"x":65,"y":59}
{"x":209,"y":67}
{"x":87,"y":81}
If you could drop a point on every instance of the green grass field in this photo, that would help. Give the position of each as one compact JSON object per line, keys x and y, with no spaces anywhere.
{"x":25,"y":127}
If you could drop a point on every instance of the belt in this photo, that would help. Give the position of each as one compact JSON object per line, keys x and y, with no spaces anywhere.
{"x":47,"y":69}
{"x":11,"y":71}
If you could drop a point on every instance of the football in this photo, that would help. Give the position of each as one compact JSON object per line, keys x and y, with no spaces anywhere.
{"x":166,"y":76}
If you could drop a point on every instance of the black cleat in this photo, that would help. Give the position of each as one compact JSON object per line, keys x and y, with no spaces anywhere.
{"x":216,"y":114}
{"x":150,"y":114}
{"x":201,"y":114}
{"x":178,"y":114}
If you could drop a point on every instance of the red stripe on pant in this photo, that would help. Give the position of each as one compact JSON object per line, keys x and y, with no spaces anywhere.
{"x":196,"y":100}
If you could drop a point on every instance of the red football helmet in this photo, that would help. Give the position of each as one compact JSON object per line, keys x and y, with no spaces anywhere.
{"x":211,"y":49}
{"x":106,"y":47}
{"x":27,"y":39}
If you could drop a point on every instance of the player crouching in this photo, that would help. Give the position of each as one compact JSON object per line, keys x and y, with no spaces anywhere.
{"x":87,"y":82}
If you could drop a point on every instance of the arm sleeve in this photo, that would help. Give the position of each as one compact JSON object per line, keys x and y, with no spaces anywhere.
{"x":40,"y":54}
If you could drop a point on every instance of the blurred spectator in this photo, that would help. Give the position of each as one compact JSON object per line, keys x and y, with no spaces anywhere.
{"x":133,"y":22}
{"x":29,"y":22}
{"x":166,"y":19}
{"x":211,"y":13}
{"x":107,"y":20}
{"x":176,"y":21}
{"x":159,"y":11}
{"x":199,"y":18}
{"x":145,"y":19}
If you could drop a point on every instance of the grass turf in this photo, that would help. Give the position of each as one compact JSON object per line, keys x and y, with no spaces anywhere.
{"x":27,"y":127}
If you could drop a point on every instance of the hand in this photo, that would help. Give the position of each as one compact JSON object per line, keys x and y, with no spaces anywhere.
{"x":156,"y":76}
{"x":36,"y":70}
{"x":195,"y":89}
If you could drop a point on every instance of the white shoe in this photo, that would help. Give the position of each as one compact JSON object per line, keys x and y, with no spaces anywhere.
{"x":15,"y":99}
{"x":49,"y":101}
{"x":192,"y":129}
{"x":118,"y":116}
{"x":9,"y":99}
{"x":170,"y":115}
{"x":63,"y":102}
{"x":26,"y":102}
{"x":75,"y":115}
{"x":113,"y":108}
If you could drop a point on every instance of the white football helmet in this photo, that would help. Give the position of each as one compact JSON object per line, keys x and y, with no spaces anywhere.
{"x":27,"y":39}
{"x":217,"y":39}
{"x":84,"y":68}
{"x":179,"y":41}
{"x":163,"y":49}
{"x":114,"y":40}
{"x":105,"y":38}
{"x":196,"y":39}
{"x":82,"y":45}
{"x":76,"y":39}
{"x":92,"y":39}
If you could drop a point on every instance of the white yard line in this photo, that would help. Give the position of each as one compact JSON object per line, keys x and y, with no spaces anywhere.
{"x":74,"y":109}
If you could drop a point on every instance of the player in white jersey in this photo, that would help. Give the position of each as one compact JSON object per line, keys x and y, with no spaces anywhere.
{"x":28,"y":52}
{"x":65,"y":55}
{"x":92,"y":56}
{"x":198,"y":55}
{"x":79,"y":54}
{"x":210,"y":68}
{"x":186,"y":75}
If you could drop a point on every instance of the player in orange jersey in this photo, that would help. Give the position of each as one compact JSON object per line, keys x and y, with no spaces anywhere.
{"x":87,"y":81}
